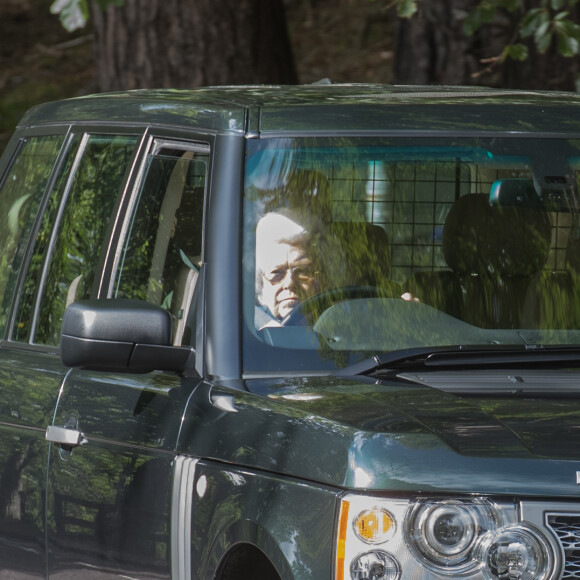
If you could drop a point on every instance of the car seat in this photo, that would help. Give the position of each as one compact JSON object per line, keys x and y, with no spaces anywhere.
{"x":492,"y":252}
{"x":552,"y":298}
{"x":358,"y":255}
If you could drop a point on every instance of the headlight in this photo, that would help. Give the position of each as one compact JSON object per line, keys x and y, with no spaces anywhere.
{"x":445,"y":533}
{"x":363,"y":527}
{"x":476,"y":539}
{"x":375,"y":565}
{"x":514,"y":552}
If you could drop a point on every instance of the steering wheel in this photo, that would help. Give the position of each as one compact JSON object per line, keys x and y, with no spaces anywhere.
{"x":311,"y":308}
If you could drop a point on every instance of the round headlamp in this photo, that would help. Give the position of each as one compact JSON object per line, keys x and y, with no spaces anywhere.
{"x":375,"y":565}
{"x":444,"y":534}
{"x":517,"y":553}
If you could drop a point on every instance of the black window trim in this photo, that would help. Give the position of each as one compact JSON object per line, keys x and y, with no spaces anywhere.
{"x":68,"y":138}
{"x":86,"y":132}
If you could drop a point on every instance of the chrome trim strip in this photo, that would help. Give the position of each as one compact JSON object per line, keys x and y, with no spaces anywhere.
{"x":181,"y":506}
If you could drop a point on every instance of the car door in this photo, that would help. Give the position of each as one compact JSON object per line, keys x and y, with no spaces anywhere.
{"x":49,"y":169}
{"x":29,"y":378}
{"x":114,"y":435}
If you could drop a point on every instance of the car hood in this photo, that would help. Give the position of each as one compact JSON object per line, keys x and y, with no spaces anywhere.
{"x":400,"y":434}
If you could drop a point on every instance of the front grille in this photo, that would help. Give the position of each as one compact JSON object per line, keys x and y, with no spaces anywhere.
{"x":567,"y":529}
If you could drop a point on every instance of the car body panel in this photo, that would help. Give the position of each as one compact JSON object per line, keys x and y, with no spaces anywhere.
{"x":232,"y":505}
{"x":109,"y":498}
{"x":30,"y":380}
{"x":388,"y":437}
{"x":311,"y":109}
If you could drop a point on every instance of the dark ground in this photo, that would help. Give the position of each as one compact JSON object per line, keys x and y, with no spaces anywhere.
{"x":345,"y":40}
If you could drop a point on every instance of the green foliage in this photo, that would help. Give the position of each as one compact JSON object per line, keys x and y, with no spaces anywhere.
{"x":515,"y":52}
{"x":568,"y":34}
{"x":406,"y":8}
{"x":548,"y":23}
{"x":74,"y":14}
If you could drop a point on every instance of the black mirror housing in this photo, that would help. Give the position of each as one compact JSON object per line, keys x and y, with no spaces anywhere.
{"x":120,"y":335}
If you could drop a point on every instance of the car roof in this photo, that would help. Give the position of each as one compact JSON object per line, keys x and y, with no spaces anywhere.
{"x":325,"y":109}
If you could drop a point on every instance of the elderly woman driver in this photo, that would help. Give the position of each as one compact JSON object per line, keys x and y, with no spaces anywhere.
{"x":285,"y":272}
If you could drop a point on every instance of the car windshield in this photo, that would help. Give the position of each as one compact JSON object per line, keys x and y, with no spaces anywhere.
{"x":358,"y":246}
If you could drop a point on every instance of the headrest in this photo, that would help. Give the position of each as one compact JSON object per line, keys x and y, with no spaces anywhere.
{"x":501,"y":240}
{"x":365,"y":249}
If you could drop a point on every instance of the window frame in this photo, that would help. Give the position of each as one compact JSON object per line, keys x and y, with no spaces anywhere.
{"x":16,"y":145}
{"x":155,"y":145}
{"x":149,"y":139}
{"x":72,"y":132}
{"x":291,"y":155}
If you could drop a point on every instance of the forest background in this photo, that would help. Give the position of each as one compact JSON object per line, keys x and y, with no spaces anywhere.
{"x":342,"y":40}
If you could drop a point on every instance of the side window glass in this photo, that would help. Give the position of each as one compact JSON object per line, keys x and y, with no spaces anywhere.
{"x":162,"y":253}
{"x":20,"y":197}
{"x":24,"y":313}
{"x":76,"y":249}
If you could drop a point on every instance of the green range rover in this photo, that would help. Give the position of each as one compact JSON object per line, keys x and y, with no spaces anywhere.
{"x":325,"y":332}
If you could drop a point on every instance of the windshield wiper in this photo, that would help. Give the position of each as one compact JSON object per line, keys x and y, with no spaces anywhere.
{"x":530,"y":354}
{"x":392,"y":359}
{"x":465,"y":356}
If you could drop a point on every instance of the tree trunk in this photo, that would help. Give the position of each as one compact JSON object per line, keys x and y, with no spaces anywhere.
{"x":189,"y":43}
{"x":432,"y":48}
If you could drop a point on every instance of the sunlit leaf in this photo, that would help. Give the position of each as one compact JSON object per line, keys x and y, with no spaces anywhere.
{"x":515,"y":52}
{"x":532,"y":21}
{"x":73,"y":14}
{"x":569,"y":28}
{"x":543,"y":36}
{"x":406,"y":8}
{"x":568,"y":45}
{"x":561,"y":15}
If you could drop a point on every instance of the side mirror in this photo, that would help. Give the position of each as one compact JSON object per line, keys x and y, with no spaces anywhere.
{"x":120,"y":335}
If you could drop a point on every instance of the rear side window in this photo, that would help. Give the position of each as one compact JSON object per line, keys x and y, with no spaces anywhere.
{"x":20,"y":197}
{"x":81,"y":206}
